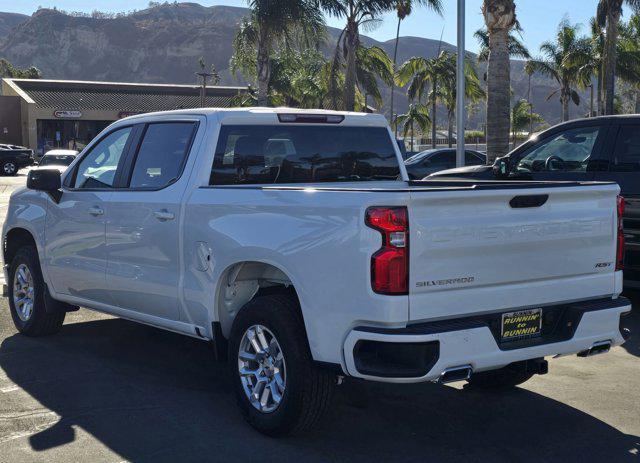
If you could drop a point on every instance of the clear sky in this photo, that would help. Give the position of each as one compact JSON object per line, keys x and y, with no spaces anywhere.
{"x":539,"y":18}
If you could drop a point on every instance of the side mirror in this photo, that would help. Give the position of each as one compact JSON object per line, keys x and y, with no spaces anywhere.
{"x":501,"y":167}
{"x":47,"y":180}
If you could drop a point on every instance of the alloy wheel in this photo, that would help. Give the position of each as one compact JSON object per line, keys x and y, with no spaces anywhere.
{"x":262,"y":368}
{"x":23,"y":292}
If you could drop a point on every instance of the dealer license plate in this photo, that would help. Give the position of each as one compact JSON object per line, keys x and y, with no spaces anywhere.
{"x":522,"y":324}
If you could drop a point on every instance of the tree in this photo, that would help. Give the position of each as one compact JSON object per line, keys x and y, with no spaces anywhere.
{"x":499,"y":18}
{"x":417,"y":114}
{"x":358,"y":13}
{"x":628,"y":61}
{"x":9,"y":70}
{"x":269,"y":26}
{"x":404,"y":9}
{"x":589,"y":57}
{"x":608,"y":16}
{"x":517,"y":49}
{"x":522,"y":118}
{"x":446,"y":93}
{"x":424,"y":76}
{"x":558,"y":64}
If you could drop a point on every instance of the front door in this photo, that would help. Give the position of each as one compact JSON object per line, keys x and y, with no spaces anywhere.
{"x":143,"y":230}
{"x":75,"y":226}
{"x":571,"y":154}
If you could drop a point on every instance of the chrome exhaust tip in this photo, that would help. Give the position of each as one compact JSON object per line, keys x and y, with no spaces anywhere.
{"x":600,"y":347}
{"x":453,"y":374}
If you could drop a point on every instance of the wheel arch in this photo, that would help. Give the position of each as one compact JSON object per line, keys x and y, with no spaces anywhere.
{"x":243,"y":281}
{"x":14,"y":239}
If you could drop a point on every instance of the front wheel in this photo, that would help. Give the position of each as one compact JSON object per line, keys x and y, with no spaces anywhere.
{"x":279,"y":389}
{"x":9,"y":168}
{"x":27,"y":296}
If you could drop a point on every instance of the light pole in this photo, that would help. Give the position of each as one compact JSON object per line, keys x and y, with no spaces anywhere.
{"x":460,"y":91}
{"x":591,"y":103}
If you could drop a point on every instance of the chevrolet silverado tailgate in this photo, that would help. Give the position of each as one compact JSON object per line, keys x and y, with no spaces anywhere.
{"x":477,"y":250}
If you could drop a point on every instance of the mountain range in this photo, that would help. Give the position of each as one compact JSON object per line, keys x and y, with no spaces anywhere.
{"x":162,"y":44}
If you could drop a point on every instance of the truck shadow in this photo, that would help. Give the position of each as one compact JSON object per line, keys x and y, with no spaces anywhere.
{"x":150,"y":395}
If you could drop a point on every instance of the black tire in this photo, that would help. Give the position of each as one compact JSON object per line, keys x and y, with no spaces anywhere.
{"x":9,"y":168}
{"x":308,"y":390}
{"x":41,"y":322}
{"x":504,"y":378}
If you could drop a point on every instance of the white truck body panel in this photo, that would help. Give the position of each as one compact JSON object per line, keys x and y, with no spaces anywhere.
{"x":176,"y":273}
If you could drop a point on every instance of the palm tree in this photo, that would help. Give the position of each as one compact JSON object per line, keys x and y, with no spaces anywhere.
{"x":446,"y":92}
{"x":358,"y":13}
{"x":403,"y":9}
{"x":608,"y":16}
{"x":424,"y":76}
{"x":589,"y":57}
{"x":628,"y":62}
{"x":269,"y":25}
{"x":517,"y":49}
{"x":522,"y":117}
{"x":373,"y":64}
{"x":557,"y":64}
{"x":499,"y":18}
{"x":417,"y":114}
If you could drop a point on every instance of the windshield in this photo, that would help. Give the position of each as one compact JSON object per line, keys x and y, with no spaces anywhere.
{"x":56,"y":160}
{"x":303,"y":153}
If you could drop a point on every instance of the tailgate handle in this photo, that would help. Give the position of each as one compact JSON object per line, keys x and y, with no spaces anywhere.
{"x":518,"y":202}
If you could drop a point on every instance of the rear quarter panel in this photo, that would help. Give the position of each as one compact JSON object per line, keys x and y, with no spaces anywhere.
{"x":317,"y":238}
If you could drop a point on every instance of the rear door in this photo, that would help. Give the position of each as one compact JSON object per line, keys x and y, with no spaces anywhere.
{"x":624,"y":168}
{"x":143,"y":231}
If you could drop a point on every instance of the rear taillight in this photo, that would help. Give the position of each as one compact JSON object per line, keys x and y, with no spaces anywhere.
{"x":620,"y":245}
{"x":390,"y":264}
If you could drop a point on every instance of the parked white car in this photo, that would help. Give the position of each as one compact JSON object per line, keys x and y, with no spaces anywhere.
{"x":316,"y":262}
{"x":58,"y":158}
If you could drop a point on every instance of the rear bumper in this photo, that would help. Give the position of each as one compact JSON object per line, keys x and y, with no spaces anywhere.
{"x":473,"y":341}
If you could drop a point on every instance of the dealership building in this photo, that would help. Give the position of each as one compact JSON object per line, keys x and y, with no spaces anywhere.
{"x":44,"y":114}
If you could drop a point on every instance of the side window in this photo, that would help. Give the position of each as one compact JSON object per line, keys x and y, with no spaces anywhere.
{"x":98,"y":168}
{"x":472,"y":160}
{"x":627,"y":153}
{"x":445,"y":159}
{"x":567,"y":151}
{"x":162,"y":154}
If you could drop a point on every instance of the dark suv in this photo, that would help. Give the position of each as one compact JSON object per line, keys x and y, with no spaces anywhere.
{"x":14,"y":158}
{"x":600,"y":149}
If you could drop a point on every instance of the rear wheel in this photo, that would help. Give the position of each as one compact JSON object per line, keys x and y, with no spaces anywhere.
{"x":279,"y":389}
{"x":9,"y":168}
{"x":27,"y":294}
{"x":504,"y":378}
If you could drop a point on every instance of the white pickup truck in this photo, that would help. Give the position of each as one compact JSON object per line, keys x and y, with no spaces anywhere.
{"x":294,"y":242}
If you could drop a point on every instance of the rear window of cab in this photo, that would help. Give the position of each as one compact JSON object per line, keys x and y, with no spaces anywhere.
{"x":276,"y":154}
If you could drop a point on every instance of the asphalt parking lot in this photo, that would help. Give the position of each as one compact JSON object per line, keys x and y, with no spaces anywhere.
{"x":105,"y":389}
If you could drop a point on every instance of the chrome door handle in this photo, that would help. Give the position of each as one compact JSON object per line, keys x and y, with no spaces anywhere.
{"x":164,"y":215}
{"x":96,"y":211}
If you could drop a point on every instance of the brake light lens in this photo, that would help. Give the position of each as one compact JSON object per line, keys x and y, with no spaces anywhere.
{"x":620,"y":246}
{"x":390,"y":264}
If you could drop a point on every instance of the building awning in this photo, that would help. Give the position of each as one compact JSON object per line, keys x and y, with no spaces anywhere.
{"x":114,"y":96}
